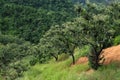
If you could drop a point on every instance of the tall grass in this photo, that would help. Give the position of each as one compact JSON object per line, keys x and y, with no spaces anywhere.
{"x":109,"y":72}
{"x":63,"y":70}
{"x":0,"y":77}
{"x":55,"y":71}
{"x":81,"y":52}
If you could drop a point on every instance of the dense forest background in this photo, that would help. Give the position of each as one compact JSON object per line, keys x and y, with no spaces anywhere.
{"x":34,"y":31}
{"x":31,"y":19}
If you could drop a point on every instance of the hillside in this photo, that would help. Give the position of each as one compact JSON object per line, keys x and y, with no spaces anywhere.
{"x":59,"y":39}
{"x":30,"y":19}
{"x":63,"y":70}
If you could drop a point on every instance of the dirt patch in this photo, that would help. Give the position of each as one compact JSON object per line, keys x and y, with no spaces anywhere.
{"x":111,"y":54}
{"x":82,"y":60}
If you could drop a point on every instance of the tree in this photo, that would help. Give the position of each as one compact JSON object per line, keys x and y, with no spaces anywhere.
{"x":50,"y":45}
{"x":12,"y":49}
{"x":93,"y":27}
{"x":61,"y":39}
{"x":97,"y":32}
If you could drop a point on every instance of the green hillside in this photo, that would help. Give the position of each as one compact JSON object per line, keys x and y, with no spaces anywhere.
{"x":43,"y":39}
{"x":29,"y":21}
{"x":63,"y":70}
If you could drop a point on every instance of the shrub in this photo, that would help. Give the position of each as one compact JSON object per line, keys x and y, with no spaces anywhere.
{"x":33,"y":62}
{"x":116,"y":40}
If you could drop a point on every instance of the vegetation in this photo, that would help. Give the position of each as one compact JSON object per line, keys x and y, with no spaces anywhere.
{"x":84,"y":30}
{"x":31,"y":19}
{"x":33,"y":32}
{"x":117,"y":40}
{"x":57,"y":70}
{"x":63,"y":70}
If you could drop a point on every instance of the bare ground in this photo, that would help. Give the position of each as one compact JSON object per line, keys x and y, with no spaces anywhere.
{"x":111,"y":54}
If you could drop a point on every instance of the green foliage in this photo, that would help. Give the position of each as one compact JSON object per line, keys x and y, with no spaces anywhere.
{"x":84,"y":51}
{"x":12,"y":51}
{"x":31,"y":19}
{"x":98,"y":30}
{"x":117,"y":40}
{"x":33,"y":61}
{"x":60,"y":39}
{"x":50,"y":27}
{"x":6,"y":39}
{"x":14,"y":70}
{"x":94,"y":27}
{"x":95,"y":1}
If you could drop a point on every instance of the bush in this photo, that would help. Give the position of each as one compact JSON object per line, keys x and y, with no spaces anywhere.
{"x":33,"y":62}
{"x":117,"y":40}
{"x":13,"y":71}
{"x":5,"y":39}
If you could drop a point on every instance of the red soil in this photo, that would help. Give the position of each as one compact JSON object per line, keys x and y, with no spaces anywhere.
{"x":82,"y":60}
{"x":111,"y":54}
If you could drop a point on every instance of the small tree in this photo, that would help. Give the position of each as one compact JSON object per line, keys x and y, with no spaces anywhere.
{"x":50,"y":45}
{"x":62,"y":39}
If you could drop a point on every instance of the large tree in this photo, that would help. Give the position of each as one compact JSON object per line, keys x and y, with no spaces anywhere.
{"x":97,"y":31}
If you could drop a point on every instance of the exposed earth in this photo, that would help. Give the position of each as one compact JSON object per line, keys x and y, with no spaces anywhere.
{"x":111,"y":54}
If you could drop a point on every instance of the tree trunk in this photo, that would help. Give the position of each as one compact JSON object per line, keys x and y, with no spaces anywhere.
{"x":73,"y":57}
{"x":94,"y":57}
{"x":56,"y":58}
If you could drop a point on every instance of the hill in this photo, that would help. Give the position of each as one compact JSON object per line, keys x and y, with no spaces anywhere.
{"x":80,"y":71}
{"x":50,"y":39}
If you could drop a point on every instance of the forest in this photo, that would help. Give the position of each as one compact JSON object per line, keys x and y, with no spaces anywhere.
{"x":41,"y":37}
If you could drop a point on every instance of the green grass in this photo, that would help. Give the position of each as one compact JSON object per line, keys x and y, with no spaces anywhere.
{"x":109,"y":72}
{"x":0,"y":77}
{"x":63,"y":70}
{"x":55,"y":71}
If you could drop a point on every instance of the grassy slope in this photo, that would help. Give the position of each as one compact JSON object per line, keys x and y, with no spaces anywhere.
{"x":63,"y":70}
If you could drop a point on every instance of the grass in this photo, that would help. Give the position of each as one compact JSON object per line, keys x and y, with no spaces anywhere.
{"x":0,"y":77}
{"x":81,"y":52}
{"x":109,"y":72}
{"x":63,"y":70}
{"x":55,"y":71}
